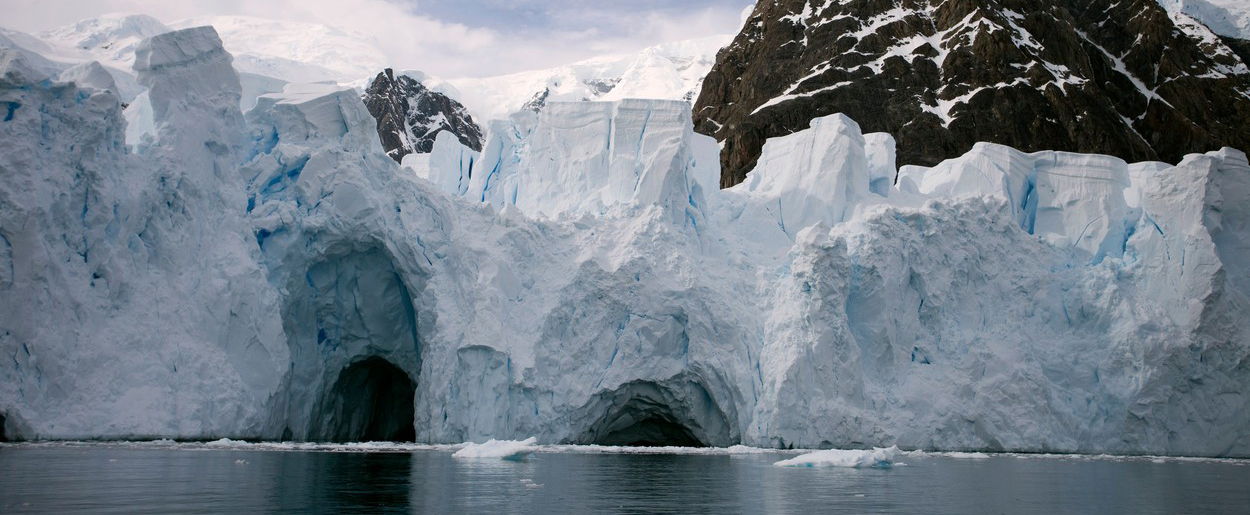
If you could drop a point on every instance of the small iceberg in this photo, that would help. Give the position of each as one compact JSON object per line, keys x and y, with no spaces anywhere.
{"x":511,"y":450}
{"x":876,"y":458}
{"x":226,"y":443}
{"x":744,"y":449}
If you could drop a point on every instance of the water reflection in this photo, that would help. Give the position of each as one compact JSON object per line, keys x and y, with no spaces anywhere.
{"x":121,"y":480}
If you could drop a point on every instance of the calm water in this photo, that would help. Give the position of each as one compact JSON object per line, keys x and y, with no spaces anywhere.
{"x":120,"y":479}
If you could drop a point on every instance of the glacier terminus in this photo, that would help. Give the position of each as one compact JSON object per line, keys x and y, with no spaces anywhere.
{"x":220,"y":266}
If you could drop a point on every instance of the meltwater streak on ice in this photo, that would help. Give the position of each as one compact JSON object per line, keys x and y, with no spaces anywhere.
{"x":1042,"y":302}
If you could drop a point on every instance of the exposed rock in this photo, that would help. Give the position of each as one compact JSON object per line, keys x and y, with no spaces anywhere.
{"x":1126,"y":79}
{"x":410,"y":116}
{"x":539,"y":101}
{"x":1239,"y":46}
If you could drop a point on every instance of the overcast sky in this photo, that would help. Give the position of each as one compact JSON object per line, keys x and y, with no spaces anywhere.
{"x":444,"y":37}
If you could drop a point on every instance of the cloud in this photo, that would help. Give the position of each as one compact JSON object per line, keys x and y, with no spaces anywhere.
{"x":443,"y":37}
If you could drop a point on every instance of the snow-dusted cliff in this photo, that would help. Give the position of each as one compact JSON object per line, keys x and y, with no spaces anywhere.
{"x":276,"y":275}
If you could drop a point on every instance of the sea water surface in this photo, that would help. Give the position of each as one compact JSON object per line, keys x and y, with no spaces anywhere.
{"x":233,"y":477}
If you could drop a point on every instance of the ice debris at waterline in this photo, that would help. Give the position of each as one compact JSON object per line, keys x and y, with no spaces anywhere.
{"x":511,"y":450}
{"x":874,"y":458}
{"x":275,"y":276}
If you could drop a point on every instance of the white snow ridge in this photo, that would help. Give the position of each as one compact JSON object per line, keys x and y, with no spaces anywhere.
{"x":274,"y":275}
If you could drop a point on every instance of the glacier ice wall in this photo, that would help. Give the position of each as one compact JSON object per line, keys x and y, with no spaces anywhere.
{"x":575,"y":158}
{"x":264,"y":275}
{"x":133,"y":301}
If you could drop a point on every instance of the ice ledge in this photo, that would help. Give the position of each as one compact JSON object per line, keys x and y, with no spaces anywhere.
{"x":16,"y":70}
{"x":177,"y":48}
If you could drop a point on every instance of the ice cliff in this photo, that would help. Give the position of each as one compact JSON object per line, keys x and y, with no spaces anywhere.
{"x":275,"y":275}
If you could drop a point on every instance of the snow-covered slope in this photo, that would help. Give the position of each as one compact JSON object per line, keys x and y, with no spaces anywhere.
{"x":294,"y":51}
{"x":262,"y":277}
{"x":1229,"y":18}
{"x":53,"y":59}
{"x":671,"y":71}
{"x":287,"y":50}
{"x":111,"y":39}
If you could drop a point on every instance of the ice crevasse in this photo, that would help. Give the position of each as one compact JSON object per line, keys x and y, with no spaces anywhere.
{"x":273,"y":275}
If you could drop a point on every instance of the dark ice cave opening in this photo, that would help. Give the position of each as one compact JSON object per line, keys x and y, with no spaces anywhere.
{"x":642,"y":422}
{"x":3,"y":436}
{"x":371,"y":401}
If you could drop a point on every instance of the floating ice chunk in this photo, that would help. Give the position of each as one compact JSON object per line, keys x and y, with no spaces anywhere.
{"x":512,"y":450}
{"x":876,"y":458}
{"x":958,"y":455}
{"x":967,"y":455}
{"x":745,"y":449}
{"x":226,"y":442}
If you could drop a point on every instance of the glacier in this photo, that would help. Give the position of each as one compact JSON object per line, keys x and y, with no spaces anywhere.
{"x":670,"y":71}
{"x":272,"y":274}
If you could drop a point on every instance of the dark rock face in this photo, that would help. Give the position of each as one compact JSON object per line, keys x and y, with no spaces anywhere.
{"x":538,"y":102}
{"x":1241,"y":47}
{"x":1098,"y":76}
{"x":410,"y":116}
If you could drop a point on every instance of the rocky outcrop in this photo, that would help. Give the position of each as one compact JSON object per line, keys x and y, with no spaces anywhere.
{"x":1127,"y":79}
{"x":1241,"y":47}
{"x":410,"y":116}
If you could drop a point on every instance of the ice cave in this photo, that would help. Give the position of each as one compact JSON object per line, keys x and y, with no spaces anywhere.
{"x":354,"y":334}
{"x":646,"y":414}
{"x":370,"y":401}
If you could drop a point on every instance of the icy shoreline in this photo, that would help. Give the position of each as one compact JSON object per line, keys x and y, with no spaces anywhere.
{"x":736,"y":450}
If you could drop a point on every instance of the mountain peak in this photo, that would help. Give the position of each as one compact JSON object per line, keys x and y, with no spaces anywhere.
{"x":410,"y":115}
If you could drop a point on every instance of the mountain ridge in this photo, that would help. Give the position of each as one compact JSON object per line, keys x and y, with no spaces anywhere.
{"x":943,"y":76}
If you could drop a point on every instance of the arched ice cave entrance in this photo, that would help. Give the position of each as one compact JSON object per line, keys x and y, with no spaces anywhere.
{"x":372,"y":400}
{"x":643,"y":423}
{"x":352,"y":327}
{"x":647,"y":414}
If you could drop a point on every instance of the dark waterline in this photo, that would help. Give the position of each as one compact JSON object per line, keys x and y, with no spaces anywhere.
{"x":111,"y":479}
